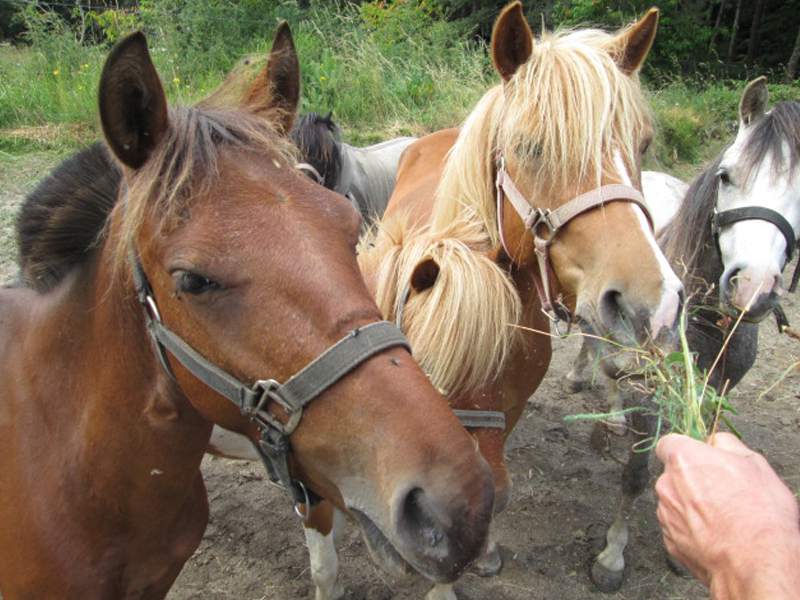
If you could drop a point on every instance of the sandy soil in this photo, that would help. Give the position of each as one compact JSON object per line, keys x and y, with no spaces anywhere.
{"x":564,"y":491}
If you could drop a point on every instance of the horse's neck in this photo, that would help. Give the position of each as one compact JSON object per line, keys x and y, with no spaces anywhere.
{"x":130,"y":421}
{"x":368,"y":174}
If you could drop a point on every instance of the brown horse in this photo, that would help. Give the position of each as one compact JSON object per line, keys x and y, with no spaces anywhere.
{"x":240,"y":269}
{"x":530,"y":212}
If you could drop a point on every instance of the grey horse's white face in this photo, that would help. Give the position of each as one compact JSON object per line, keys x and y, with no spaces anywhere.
{"x":754,"y":251}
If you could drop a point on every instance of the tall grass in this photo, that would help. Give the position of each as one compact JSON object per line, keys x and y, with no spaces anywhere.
{"x":384,"y":69}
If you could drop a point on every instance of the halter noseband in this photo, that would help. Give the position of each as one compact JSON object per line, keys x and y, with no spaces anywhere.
{"x":252,"y":401}
{"x":535,"y":219}
{"x":758,"y":213}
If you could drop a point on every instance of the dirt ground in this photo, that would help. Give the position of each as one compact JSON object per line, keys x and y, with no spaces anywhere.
{"x":564,"y":492}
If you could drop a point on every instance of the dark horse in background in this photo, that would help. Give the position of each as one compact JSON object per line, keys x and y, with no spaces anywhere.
{"x":150,"y":314}
{"x":365,"y":176}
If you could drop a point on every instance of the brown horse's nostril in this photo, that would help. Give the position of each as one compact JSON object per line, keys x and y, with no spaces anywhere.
{"x":417,"y":522}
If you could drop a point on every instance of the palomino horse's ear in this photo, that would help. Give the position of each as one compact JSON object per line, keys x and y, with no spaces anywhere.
{"x":277,"y":88}
{"x":512,"y":40}
{"x":754,"y":100}
{"x":133,"y":107}
{"x":631,"y":47}
{"x":424,"y":275}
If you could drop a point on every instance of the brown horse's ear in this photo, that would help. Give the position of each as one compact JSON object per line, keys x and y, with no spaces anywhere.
{"x":277,"y":88}
{"x":632,"y":45}
{"x":754,"y":101}
{"x":133,"y":107}
{"x":512,"y":40}
{"x":424,"y":275}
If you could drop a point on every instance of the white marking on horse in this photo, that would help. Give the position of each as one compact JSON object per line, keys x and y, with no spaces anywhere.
{"x":324,"y":564}
{"x":667,"y":311}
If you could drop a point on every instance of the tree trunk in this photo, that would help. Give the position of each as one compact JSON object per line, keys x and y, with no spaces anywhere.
{"x":755,"y":31}
{"x":794,"y":59}
{"x":714,"y":32}
{"x":734,"y":30}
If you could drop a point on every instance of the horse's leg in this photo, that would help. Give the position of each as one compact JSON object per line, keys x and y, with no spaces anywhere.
{"x":608,"y":568}
{"x":617,"y":423}
{"x":490,"y":562}
{"x":320,"y":529}
{"x":576,"y":377}
{"x":442,"y":591}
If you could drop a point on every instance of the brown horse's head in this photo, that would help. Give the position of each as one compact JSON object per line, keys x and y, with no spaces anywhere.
{"x":256,"y":270}
{"x":568,"y":119}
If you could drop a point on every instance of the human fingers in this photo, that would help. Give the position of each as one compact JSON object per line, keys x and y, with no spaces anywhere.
{"x":673,"y":444}
{"x":730,"y":443}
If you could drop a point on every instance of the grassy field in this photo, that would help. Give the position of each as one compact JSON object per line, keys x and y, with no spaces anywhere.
{"x":382,"y":71}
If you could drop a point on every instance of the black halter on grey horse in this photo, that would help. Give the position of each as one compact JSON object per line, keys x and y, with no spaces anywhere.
{"x":365,"y":176}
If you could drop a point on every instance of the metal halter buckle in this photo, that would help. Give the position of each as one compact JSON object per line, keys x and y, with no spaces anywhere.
{"x":541,"y":216}
{"x":268,"y":389}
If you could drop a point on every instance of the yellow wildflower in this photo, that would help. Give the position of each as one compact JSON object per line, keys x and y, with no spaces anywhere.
{"x":56,"y":72}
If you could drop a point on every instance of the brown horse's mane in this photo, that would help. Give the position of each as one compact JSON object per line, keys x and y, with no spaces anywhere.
{"x":64,"y":219}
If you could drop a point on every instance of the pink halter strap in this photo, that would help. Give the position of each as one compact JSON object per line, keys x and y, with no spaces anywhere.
{"x":535,"y":218}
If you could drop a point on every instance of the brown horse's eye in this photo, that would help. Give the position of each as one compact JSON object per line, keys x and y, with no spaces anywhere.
{"x":194,"y":283}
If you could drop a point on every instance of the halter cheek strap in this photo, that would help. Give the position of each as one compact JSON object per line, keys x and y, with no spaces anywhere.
{"x":538,"y":219}
{"x":253,"y":400}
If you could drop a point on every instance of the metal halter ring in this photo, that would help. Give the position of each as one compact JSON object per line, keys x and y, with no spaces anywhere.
{"x":307,"y":502}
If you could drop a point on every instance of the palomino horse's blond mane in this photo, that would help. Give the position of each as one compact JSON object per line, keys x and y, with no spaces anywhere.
{"x":560,"y":119}
{"x":460,"y":328}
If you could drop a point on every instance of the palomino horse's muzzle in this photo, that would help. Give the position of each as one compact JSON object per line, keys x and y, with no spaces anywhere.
{"x":253,"y":401}
{"x":550,"y":222}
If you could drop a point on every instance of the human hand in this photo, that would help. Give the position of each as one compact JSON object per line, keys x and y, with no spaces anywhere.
{"x":726,"y":514}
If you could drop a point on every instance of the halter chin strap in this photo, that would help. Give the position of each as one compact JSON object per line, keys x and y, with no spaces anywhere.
{"x":254,"y":399}
{"x":537,"y":220}
{"x":471,"y":419}
{"x":759,"y":213}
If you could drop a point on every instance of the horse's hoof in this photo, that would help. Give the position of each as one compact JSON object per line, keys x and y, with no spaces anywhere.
{"x":573,"y":386}
{"x":606,"y":580}
{"x":490,"y":564}
{"x":337,"y":593}
{"x":676,"y":566}
{"x":442,"y":592}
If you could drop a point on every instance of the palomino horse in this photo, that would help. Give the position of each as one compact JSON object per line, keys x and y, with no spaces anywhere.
{"x":365,"y":176}
{"x":529,"y":211}
{"x":178,"y":304}
{"x":734,"y":232}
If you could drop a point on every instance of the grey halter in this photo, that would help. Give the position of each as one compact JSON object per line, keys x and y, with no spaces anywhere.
{"x":252,"y":400}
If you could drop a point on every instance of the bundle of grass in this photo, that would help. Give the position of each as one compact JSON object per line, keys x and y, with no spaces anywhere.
{"x":678,"y":392}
